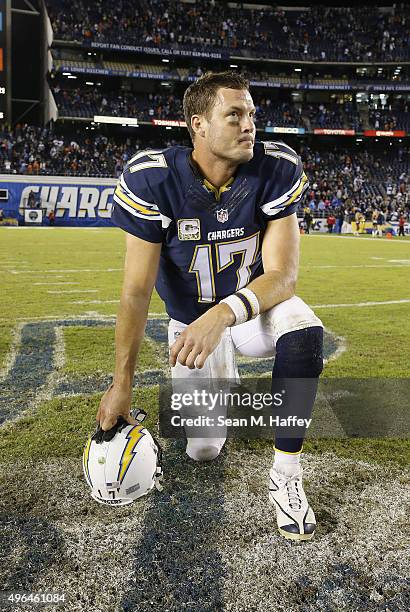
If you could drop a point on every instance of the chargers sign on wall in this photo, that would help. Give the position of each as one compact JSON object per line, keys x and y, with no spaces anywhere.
{"x":82,"y":201}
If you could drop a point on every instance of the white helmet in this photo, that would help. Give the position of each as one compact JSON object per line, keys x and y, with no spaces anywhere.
{"x":122,"y":464}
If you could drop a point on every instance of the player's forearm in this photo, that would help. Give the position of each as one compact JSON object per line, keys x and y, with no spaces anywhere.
{"x":129,"y":333}
{"x":273,"y":287}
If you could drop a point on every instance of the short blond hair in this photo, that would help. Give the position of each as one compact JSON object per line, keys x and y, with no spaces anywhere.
{"x":200,"y":96}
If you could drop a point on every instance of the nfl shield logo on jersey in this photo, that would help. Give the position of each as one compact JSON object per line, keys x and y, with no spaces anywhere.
{"x":222,"y":215}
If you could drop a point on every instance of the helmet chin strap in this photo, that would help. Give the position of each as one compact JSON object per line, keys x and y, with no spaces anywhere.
{"x":158,"y":476}
{"x":106,"y":436}
{"x":139,"y":415}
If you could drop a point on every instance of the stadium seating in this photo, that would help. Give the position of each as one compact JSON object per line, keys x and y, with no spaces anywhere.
{"x":337,"y":177}
{"x":141,"y":86}
{"x":88,"y":102}
{"x":362,"y":33}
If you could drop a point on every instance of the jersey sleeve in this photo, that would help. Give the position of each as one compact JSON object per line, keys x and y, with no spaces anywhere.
{"x":135,"y":209}
{"x":285,"y":184}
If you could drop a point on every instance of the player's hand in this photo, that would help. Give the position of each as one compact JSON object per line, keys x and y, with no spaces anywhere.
{"x":201,"y":337}
{"x":115,"y":402}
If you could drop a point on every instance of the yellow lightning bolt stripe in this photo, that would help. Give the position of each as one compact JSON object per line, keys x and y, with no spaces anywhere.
{"x":296,"y":193}
{"x":120,"y":193}
{"x":134,"y":436}
{"x":298,"y":190}
{"x":86,"y":455}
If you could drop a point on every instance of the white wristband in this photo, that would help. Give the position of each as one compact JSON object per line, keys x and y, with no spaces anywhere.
{"x":244,"y":304}
{"x":253,"y":300}
{"x":238,"y":308}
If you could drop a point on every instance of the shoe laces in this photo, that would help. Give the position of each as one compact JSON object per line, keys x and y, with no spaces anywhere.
{"x":292,"y":490}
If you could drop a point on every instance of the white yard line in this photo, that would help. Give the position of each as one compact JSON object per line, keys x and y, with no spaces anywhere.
{"x":396,"y":263}
{"x":73,"y":317}
{"x":96,"y":302}
{"x":59,"y":283}
{"x":74,"y":291}
{"x":60,"y":270}
{"x":344,"y":266}
{"x":163,"y":315}
{"x":361,"y":304}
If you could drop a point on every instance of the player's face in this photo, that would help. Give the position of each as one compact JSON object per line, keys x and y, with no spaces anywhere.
{"x":230,"y":129}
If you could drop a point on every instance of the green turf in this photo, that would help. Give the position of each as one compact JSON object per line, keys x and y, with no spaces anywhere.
{"x":74,"y":259}
{"x":361,"y":270}
{"x":5,"y":341}
{"x":97,"y":250}
{"x":91,"y":351}
{"x":391,"y":452}
{"x":61,"y":427}
{"x":377,"y":341}
{"x":387,"y":452}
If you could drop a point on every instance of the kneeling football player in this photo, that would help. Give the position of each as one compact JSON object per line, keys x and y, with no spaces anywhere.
{"x":214,"y":228}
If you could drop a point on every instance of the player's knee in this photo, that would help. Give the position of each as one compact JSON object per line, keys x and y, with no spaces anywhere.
{"x":204,"y":453}
{"x":300,"y":353}
{"x":204,"y":449}
{"x":289,"y":316}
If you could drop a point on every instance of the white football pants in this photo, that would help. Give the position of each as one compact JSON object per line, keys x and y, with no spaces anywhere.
{"x":256,"y":338}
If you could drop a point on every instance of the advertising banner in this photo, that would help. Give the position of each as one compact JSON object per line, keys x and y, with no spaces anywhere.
{"x":285,"y":130}
{"x":169,"y":122}
{"x":393,"y":227}
{"x":334,"y":132}
{"x":135,"y":74}
{"x":75,"y":201}
{"x":319,"y":225}
{"x":116,"y":70}
{"x":163,"y":51}
{"x":391,"y":133}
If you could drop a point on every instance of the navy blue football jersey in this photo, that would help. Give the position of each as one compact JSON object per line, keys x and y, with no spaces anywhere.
{"x":211,"y":237}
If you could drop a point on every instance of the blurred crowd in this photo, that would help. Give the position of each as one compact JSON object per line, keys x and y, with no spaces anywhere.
{"x":90,"y":102}
{"x":145,"y":107}
{"x":42,"y":151}
{"x":395,"y":117}
{"x":321,"y":33}
{"x":344,"y":183}
{"x":339,"y":179}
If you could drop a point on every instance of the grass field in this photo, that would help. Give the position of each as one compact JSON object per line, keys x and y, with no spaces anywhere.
{"x":209,"y":541}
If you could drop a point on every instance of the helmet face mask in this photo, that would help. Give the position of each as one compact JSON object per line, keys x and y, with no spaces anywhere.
{"x":123,"y":465}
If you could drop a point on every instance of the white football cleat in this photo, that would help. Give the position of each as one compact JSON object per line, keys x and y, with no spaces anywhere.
{"x":295,"y":518}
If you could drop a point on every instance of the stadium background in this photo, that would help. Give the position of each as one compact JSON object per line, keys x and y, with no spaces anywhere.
{"x":82,"y":87}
